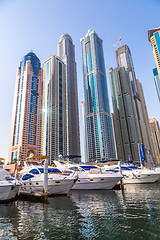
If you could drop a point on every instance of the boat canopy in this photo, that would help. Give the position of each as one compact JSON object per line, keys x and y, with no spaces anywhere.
{"x":41,"y":170}
{"x":70,"y":156}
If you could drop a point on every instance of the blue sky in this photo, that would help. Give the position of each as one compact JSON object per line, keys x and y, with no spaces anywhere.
{"x":38,"y":24}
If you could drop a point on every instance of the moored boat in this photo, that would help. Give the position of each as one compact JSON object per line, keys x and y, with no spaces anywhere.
{"x":90,"y":177}
{"x":9,"y":186}
{"x":32,"y":178}
{"x":135,"y":175}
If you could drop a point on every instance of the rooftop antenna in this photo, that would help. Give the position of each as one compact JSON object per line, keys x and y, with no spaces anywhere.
{"x":90,"y":29}
{"x":119,"y":41}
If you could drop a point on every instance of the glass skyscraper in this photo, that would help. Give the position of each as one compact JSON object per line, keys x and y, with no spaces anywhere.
{"x":100,"y":140}
{"x":66,"y":52}
{"x":54,"y":108}
{"x":26,"y":117}
{"x":124,"y":59}
{"x":146,"y":120}
{"x":154,"y":39}
{"x":155,"y":130}
{"x":157,"y":81}
{"x":60,"y":121}
{"x":126,"y":131}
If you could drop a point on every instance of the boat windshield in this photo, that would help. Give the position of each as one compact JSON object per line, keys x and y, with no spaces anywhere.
{"x":74,"y":168}
{"x":4,"y":175}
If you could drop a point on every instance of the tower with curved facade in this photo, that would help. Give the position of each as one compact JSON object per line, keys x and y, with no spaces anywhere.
{"x":99,"y":131}
{"x":26,"y":116}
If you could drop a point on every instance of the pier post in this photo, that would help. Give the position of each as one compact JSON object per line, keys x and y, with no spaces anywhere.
{"x":45,"y":188}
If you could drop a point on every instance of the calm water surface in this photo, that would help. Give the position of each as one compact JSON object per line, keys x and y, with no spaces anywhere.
{"x":131,"y":214}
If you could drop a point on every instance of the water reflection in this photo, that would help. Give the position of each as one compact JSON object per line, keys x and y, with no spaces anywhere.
{"x":58,"y":219}
{"x":7,"y":225}
{"x":100,"y":210}
{"x":131,"y":214}
{"x":141,"y":210}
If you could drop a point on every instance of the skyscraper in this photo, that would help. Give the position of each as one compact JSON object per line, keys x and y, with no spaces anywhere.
{"x":66,"y":52}
{"x":84,"y":133}
{"x":157,"y":81}
{"x":151,"y":152}
{"x":155,"y":130}
{"x":124,"y":58}
{"x":54,"y":108}
{"x":26,"y":117}
{"x":154,"y":39}
{"x":126,"y":131}
{"x":100,"y":141}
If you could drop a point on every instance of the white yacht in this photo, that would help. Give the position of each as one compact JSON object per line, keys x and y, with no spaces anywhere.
{"x":9,"y":186}
{"x":90,"y":177}
{"x":32,"y":178}
{"x":133,"y":174}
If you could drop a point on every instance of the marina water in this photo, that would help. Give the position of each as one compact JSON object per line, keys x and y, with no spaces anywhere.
{"x":107,"y":214}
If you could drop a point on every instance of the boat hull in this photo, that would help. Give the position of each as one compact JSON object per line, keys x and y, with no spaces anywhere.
{"x":14,"y":191}
{"x":58,"y":186}
{"x":96,"y":183}
{"x":5,"y":192}
{"x":139,"y":178}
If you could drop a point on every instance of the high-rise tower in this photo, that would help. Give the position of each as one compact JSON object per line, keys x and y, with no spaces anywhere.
{"x":54,"y":122}
{"x":157,"y":81}
{"x":26,"y":117}
{"x":154,"y":39}
{"x":124,"y":59}
{"x":66,"y":52}
{"x":126,"y":131}
{"x":155,"y":130}
{"x":146,"y":121}
{"x":100,"y":141}
{"x":84,"y":133}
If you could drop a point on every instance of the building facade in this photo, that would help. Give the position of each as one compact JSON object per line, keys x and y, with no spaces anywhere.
{"x":151,"y":153}
{"x":157,"y":81}
{"x":124,"y":58}
{"x":154,"y":39}
{"x":54,"y":109}
{"x":66,"y":52}
{"x":155,"y":130}
{"x":126,"y":131}
{"x":99,"y":132}
{"x":26,"y":116}
{"x":86,"y":159}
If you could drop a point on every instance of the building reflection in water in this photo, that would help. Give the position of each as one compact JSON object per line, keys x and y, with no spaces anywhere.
{"x":100,"y":209}
{"x":59,"y":219}
{"x":130,"y":214}
{"x":141,"y":209}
